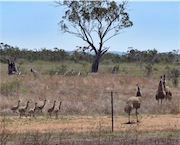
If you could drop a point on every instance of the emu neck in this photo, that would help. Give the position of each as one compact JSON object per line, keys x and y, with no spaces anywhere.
{"x":160,"y":88}
{"x":27,"y":105}
{"x":59,"y":106}
{"x":44,"y":103}
{"x":53,"y":105}
{"x":35,"y":107}
{"x":18,"y":104}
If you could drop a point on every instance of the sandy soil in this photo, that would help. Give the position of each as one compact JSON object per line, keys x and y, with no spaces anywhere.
{"x":91,"y":123}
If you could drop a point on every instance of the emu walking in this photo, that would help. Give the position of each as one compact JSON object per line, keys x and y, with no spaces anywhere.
{"x":133,"y":103}
{"x":167,"y":89}
{"x":32,"y":110}
{"x":160,"y":94}
{"x":51,"y":109}
{"x":22,"y":110}
{"x":57,"y":110}
{"x":40,"y":108}
{"x":15,"y":108}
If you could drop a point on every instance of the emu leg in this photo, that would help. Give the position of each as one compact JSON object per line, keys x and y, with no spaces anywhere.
{"x":50,"y":114}
{"x":56,"y":115}
{"x":129,"y":117}
{"x":137,"y":115}
{"x":34,"y":116}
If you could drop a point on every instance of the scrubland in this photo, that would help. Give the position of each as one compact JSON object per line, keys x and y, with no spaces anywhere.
{"x":85,"y":115}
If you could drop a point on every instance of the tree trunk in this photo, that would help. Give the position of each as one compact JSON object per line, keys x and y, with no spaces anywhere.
{"x":11,"y":67}
{"x":95,"y":64}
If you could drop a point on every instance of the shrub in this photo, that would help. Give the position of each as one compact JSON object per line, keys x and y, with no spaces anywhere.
{"x":148,"y":70}
{"x":9,"y":88}
{"x":174,"y":74}
{"x":62,"y":69}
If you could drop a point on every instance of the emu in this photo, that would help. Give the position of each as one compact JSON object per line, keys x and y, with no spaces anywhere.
{"x":167,"y":89}
{"x":57,"y":110}
{"x":22,"y":110}
{"x":160,"y":94}
{"x":40,"y":108}
{"x":15,"y":108}
{"x":32,"y":110}
{"x":35,"y":73}
{"x":51,"y":109}
{"x":133,"y":103}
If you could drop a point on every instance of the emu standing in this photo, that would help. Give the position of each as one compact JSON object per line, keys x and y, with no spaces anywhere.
{"x":51,"y":109}
{"x":15,"y":108}
{"x":57,"y":110}
{"x":167,"y":89}
{"x":133,"y":103}
{"x":160,"y":95}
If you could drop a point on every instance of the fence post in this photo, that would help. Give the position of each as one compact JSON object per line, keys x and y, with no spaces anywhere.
{"x":112,"y":111}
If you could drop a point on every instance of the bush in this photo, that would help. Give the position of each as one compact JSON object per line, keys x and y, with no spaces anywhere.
{"x":148,"y":70}
{"x":174,"y":75}
{"x":11,"y":87}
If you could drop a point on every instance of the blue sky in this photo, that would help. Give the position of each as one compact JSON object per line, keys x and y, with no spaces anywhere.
{"x":34,"y":25}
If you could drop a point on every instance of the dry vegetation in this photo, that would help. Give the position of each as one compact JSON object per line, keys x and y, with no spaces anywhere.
{"x":86,"y":108}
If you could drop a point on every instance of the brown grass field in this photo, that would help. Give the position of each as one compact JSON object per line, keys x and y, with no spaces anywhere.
{"x":84,"y":124}
{"x":85,"y":116}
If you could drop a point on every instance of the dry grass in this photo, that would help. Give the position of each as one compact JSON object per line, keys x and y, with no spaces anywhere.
{"x":91,"y":130}
{"x":85,"y":124}
{"x":86,"y":104}
{"x":87,"y":95}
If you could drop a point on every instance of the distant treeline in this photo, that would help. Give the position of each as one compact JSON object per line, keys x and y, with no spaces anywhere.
{"x":59,"y":55}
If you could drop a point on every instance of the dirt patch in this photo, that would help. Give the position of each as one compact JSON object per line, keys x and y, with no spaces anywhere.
{"x":91,"y":123}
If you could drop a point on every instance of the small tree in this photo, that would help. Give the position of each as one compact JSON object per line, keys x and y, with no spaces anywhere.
{"x":90,"y":20}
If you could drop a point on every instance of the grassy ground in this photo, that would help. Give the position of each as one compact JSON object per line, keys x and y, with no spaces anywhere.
{"x":85,"y":116}
{"x":91,"y":130}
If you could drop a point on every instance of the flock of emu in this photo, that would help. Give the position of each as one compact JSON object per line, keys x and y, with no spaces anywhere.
{"x":163,"y":91}
{"x":24,"y":111}
{"x":134,"y":102}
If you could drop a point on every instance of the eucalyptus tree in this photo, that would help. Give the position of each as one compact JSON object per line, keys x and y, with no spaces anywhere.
{"x":95,"y":22}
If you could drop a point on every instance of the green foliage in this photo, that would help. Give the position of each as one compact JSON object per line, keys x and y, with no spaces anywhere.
{"x":57,"y":70}
{"x":115,"y":69}
{"x":81,"y":13}
{"x":11,"y":87}
{"x":148,"y":70}
{"x":174,"y":74}
{"x":42,"y":57}
{"x":51,"y":71}
{"x":62,"y":69}
{"x":149,"y":56}
{"x":24,"y":90}
{"x":85,"y":66}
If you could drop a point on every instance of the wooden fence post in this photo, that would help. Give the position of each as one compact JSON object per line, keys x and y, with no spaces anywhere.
{"x":112,"y":111}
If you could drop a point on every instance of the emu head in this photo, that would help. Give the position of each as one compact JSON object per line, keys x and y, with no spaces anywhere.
{"x":138,"y":94}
